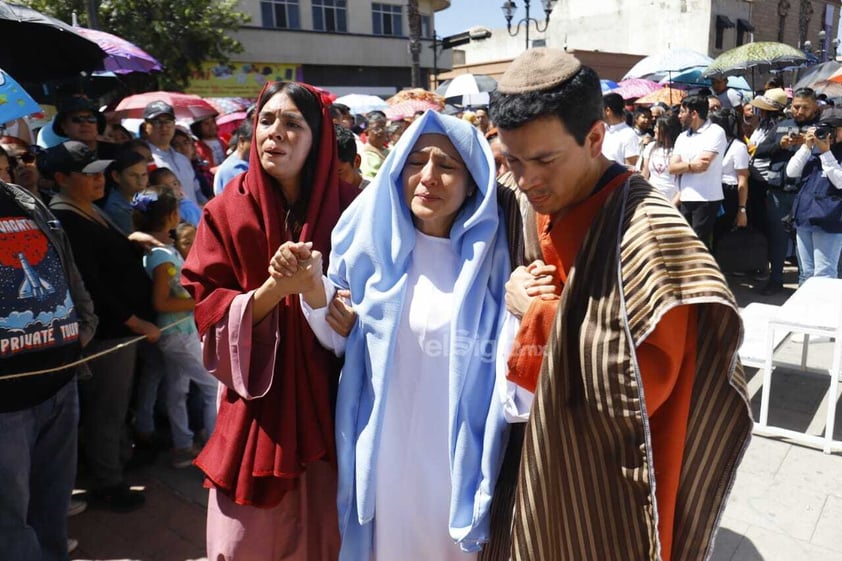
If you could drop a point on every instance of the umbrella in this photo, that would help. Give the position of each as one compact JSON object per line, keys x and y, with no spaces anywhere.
{"x":14,"y":101}
{"x":467,"y":89}
{"x":227,"y":124}
{"x":835,"y":77}
{"x":360,"y":104}
{"x":693,"y":77}
{"x":40,"y":48}
{"x":670,"y":96}
{"x":607,"y":85}
{"x":765,"y":56}
{"x":417,"y":94}
{"x":226,"y":105}
{"x":635,"y":87}
{"x":817,"y":73}
{"x":407,"y":109}
{"x":122,"y":57}
{"x":188,"y":108}
{"x":464,"y":84}
{"x":666,"y":62}
{"x":828,"y":88}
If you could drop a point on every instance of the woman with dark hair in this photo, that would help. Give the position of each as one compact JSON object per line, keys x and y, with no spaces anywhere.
{"x":734,"y":174}
{"x":271,"y":460}
{"x":656,"y":157}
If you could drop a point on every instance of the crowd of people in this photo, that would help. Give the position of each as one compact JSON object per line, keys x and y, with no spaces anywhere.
{"x":434,"y":338}
{"x":730,"y":161}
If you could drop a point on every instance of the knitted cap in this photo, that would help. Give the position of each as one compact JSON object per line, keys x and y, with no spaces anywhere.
{"x":538,"y":69}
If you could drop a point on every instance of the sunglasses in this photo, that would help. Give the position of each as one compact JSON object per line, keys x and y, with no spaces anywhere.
{"x":79,"y":119}
{"x":30,"y":155}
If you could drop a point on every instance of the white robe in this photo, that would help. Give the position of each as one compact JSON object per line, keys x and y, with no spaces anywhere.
{"x":413,"y":467}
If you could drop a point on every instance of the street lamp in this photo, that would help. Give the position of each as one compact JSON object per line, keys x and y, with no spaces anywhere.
{"x":509,"y":8}
{"x":824,"y":53}
{"x":834,"y":44}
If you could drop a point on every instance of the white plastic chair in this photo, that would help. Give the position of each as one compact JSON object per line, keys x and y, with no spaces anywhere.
{"x":814,"y":309}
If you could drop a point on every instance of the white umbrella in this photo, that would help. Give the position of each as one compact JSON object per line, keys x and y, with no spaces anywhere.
{"x":468,"y":89}
{"x":660,"y":65}
{"x":360,"y":104}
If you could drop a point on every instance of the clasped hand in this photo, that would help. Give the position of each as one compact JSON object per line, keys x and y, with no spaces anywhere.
{"x":527,"y":283}
{"x":296,"y":267}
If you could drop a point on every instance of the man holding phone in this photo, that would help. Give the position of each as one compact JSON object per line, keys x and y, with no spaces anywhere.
{"x":780,"y":196}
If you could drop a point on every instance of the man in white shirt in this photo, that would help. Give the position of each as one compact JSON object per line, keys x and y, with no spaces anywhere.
{"x":697,"y":162}
{"x":621,"y":144}
{"x":159,"y":126}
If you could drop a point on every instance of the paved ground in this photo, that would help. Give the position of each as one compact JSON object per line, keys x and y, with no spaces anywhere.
{"x":786,"y":504}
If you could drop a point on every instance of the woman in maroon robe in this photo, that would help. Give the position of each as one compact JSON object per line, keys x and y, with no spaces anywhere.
{"x":270,"y":462}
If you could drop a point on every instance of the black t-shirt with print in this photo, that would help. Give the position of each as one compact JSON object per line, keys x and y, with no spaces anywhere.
{"x":39,"y":328}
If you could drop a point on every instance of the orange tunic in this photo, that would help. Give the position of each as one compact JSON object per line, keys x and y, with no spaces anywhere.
{"x":666,"y":358}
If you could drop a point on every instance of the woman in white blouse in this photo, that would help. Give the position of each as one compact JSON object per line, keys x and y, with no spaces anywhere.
{"x":656,"y":157}
{"x":734,"y":174}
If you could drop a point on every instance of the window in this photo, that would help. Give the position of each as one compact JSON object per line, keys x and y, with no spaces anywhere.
{"x":386,"y":19}
{"x":743,"y":27}
{"x":281,"y":14}
{"x":427,"y":27}
{"x":330,"y":15}
{"x":722,"y":23}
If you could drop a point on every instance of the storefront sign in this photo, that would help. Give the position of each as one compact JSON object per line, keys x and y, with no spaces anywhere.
{"x":239,"y":79}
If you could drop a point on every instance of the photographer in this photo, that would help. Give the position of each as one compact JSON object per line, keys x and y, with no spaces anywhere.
{"x":817,"y":210}
{"x":789,"y":136}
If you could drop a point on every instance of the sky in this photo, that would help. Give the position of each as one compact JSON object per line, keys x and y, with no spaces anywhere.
{"x":464,"y":14}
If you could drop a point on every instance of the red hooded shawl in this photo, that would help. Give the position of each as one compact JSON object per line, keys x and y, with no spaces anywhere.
{"x":260,"y":447}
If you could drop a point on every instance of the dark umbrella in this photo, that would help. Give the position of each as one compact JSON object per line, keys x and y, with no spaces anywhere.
{"x":816,"y":73}
{"x":41,"y":48}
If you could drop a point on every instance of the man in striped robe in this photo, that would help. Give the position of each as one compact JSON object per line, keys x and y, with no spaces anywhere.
{"x":640,"y":415}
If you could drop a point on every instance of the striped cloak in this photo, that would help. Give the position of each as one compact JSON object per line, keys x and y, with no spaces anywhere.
{"x":586,"y":490}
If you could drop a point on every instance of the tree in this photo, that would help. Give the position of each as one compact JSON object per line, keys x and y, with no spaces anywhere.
{"x":415,"y":42}
{"x":181,"y":34}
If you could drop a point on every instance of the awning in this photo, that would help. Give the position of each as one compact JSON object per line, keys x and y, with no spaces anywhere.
{"x":744,"y":25}
{"x":724,"y":22}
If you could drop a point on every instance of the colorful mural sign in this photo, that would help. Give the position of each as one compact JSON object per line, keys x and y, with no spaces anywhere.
{"x":239,"y":79}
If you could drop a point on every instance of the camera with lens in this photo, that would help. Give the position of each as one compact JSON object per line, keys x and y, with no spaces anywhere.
{"x":824,"y":131}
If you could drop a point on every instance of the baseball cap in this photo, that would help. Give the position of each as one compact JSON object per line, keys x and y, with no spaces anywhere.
{"x":832,"y":116}
{"x":156,"y":109}
{"x":73,"y":156}
{"x":76,"y":104}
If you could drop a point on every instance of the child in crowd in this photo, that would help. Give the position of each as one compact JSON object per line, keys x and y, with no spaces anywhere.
{"x":164,"y":177}
{"x":156,"y":213}
{"x":184,"y":142}
{"x":139,"y":145}
{"x":185,"y":234}
{"x":128,"y":176}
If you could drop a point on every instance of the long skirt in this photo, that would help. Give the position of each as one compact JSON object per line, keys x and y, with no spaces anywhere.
{"x":303,"y":527}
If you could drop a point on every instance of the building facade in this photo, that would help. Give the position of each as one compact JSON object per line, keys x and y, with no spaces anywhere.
{"x":345,"y":46}
{"x":611,"y":35}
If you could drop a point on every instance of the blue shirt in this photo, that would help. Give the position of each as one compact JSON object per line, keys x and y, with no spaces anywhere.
{"x":227,"y":170}
{"x":171,"y":256}
{"x":119,"y":210}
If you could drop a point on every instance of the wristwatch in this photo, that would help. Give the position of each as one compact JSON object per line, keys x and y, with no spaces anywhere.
{"x":742,"y":209}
